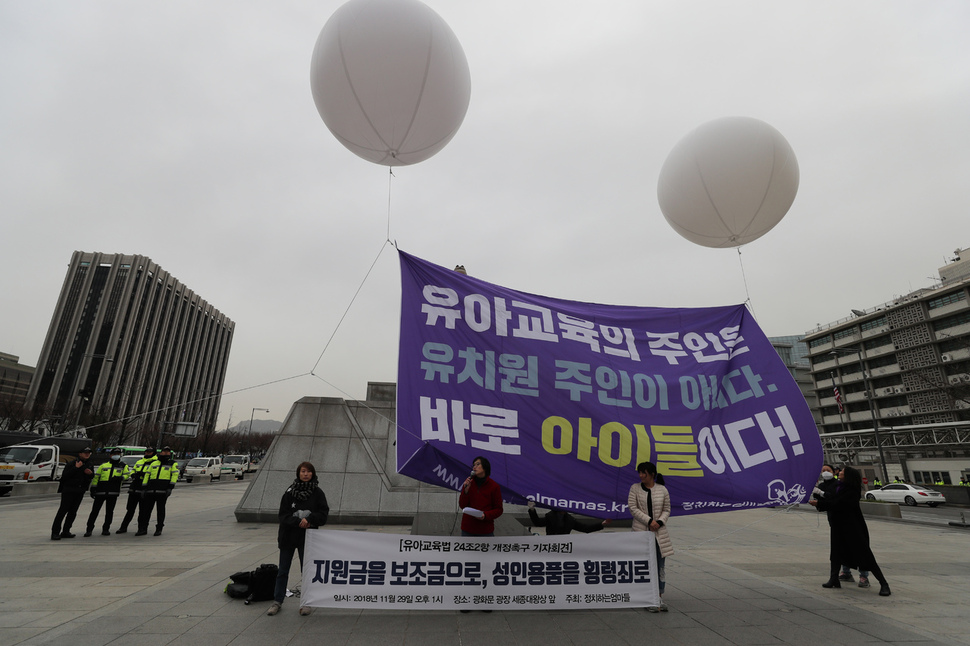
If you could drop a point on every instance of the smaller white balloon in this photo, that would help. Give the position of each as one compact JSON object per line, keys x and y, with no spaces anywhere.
{"x":390,"y":80}
{"x":728,"y":182}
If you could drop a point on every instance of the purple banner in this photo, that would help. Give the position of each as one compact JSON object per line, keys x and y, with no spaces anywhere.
{"x":566,"y":398}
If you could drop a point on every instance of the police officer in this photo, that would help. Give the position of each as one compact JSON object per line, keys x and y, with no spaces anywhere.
{"x":134,"y":490}
{"x":105,"y":489}
{"x":159,"y":480}
{"x":74,"y":482}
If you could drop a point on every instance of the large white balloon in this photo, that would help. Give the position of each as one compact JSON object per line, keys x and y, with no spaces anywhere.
{"x":728,"y":182}
{"x":390,"y":80}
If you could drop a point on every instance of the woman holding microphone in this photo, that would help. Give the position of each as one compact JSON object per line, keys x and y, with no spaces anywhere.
{"x":480,"y":500}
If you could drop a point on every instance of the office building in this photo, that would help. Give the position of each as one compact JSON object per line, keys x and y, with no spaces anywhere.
{"x":130,"y":347}
{"x":14,"y":383}
{"x":901,"y":368}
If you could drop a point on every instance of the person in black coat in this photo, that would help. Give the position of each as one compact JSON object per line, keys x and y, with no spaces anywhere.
{"x":304,"y":506}
{"x":849,"y":536}
{"x":557,"y":522}
{"x":74,"y":484}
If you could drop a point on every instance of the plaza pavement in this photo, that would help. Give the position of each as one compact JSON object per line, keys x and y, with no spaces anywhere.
{"x":745,"y":577}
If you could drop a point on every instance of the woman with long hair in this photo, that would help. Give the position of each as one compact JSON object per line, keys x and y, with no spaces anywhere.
{"x":649,"y":503}
{"x":303,"y":506}
{"x":849,"y":535}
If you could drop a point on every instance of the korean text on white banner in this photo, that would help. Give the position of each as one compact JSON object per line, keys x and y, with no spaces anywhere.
{"x":363,"y":570}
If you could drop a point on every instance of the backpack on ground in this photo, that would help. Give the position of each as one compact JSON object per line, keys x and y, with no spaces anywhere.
{"x":238,"y":590}
{"x":262,"y":583}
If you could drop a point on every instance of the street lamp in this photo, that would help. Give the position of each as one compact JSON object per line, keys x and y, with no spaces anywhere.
{"x":872,"y":407}
{"x":249,"y":435}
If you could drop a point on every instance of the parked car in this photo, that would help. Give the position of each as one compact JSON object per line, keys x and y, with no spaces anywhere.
{"x":203,"y":467}
{"x":909,"y":494}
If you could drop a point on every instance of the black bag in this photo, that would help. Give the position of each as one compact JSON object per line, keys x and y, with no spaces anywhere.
{"x":238,"y":590}
{"x":262,"y":582}
{"x":241,"y":577}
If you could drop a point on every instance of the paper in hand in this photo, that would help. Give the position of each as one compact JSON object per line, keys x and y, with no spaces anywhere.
{"x":471,"y":511}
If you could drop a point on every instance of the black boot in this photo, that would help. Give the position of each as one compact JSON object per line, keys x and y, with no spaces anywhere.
{"x":158,"y":530}
{"x":876,"y":571}
{"x":833,"y":581}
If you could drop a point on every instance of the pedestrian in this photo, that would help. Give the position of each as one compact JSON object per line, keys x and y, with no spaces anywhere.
{"x":135,"y":487}
{"x":480,"y":501}
{"x":849,"y":535}
{"x":827,"y":487}
{"x":649,"y":504}
{"x":558,"y":521}
{"x":74,"y":482}
{"x":105,"y":489}
{"x":303,"y":506}
{"x":157,"y":485}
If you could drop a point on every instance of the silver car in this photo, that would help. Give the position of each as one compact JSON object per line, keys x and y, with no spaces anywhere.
{"x":909,"y":494}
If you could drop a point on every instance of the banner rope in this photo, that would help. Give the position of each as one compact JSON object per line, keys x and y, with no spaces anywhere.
{"x":744,"y":279}
{"x":349,"y":305}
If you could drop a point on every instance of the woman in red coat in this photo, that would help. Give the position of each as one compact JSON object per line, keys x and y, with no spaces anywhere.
{"x":480,"y":500}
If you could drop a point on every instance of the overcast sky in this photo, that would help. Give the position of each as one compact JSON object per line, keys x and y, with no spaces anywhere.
{"x":186,"y":132}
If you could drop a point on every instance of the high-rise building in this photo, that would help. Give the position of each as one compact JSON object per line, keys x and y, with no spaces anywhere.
{"x":904,"y":363}
{"x":14,"y":382}
{"x":131,"y":346}
{"x":794,"y":353}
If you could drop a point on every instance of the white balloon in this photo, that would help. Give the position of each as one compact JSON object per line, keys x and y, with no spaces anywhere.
{"x":728,"y":182}
{"x":390,"y":80}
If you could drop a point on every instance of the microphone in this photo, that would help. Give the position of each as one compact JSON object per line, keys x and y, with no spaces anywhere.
{"x":473,"y":473}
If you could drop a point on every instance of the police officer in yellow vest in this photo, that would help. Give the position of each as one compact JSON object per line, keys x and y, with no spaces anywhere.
{"x":135,"y":489}
{"x":160,"y":478}
{"x":105,"y":489}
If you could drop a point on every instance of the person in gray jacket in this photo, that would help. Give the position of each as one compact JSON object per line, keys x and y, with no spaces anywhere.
{"x":649,"y":503}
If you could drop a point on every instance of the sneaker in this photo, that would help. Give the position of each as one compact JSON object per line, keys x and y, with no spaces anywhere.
{"x":304,"y":611}
{"x":863,"y":582}
{"x":653,"y":608}
{"x":846,"y":576}
{"x":663,"y":607}
{"x":273,"y":609}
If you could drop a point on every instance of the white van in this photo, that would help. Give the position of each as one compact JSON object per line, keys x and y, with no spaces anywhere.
{"x":202,"y":467}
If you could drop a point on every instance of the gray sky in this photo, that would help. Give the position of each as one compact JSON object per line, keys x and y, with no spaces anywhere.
{"x":186,"y":132}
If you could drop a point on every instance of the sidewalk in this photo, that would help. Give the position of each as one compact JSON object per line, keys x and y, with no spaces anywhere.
{"x":747,"y":577}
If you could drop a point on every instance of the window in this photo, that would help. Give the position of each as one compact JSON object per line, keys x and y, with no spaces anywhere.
{"x":846,"y":333}
{"x":952,"y":321}
{"x":822,"y":340}
{"x":947,"y":299}
{"x":874,"y":323}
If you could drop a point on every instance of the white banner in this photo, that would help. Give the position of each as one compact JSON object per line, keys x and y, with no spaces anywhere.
{"x":363,"y":570}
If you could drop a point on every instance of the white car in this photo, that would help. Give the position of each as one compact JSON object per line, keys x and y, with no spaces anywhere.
{"x":909,"y":494}
{"x":202,"y":467}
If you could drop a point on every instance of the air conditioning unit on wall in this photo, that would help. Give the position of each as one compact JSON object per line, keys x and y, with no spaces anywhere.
{"x":946,"y":357}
